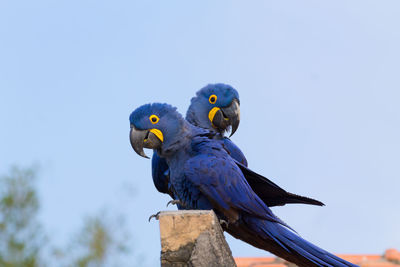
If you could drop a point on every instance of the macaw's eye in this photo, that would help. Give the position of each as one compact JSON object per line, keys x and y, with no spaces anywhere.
{"x":154,"y":119}
{"x":212,"y":99}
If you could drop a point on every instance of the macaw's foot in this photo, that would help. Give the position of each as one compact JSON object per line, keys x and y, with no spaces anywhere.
{"x":154,"y":216}
{"x":223,"y":222}
{"x":174,"y":202}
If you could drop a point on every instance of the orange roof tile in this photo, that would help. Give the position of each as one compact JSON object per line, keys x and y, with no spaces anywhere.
{"x":392,"y":255}
{"x":244,"y":262}
{"x":391,"y":258}
{"x":358,"y":259}
{"x":379,"y":264}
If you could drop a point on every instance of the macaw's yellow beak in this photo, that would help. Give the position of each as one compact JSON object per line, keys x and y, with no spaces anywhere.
{"x":222,"y":118}
{"x":140,"y":139}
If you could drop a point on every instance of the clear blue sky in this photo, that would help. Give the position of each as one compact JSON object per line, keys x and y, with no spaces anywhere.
{"x":319,"y":84}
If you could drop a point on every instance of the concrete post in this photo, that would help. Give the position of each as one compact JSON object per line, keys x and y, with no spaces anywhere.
{"x":193,"y":238}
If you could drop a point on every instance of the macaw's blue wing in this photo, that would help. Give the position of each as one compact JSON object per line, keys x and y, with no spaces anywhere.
{"x":234,"y":151}
{"x":223,"y":184}
{"x":160,"y":173}
{"x":271,"y":193}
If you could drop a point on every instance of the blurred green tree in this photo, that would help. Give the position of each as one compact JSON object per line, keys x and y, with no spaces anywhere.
{"x":21,"y":236}
{"x":102,"y":240}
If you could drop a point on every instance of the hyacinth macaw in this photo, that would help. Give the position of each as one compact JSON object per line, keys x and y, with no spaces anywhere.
{"x":204,"y":176}
{"x":216,"y":107}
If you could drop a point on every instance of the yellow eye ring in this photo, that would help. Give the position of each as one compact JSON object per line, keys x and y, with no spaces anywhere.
{"x":154,"y":119}
{"x":212,"y":99}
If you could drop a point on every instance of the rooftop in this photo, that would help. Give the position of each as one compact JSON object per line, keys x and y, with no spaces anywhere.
{"x":391,"y":258}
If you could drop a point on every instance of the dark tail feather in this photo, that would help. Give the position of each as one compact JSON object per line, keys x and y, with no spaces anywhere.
{"x":297,"y":199}
{"x":284,"y":243}
{"x":270,"y":193}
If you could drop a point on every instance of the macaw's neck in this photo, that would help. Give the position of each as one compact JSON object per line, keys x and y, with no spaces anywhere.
{"x":179,"y":140}
{"x":193,"y":117}
{"x":204,"y":124}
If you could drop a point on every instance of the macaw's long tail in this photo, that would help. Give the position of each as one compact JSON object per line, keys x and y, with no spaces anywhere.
{"x":282,"y":242}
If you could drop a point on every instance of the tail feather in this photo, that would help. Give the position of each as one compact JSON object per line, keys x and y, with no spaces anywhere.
{"x":272,"y":194}
{"x":284,"y":243}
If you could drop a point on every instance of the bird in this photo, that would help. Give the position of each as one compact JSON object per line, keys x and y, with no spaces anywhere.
{"x":203,"y":176}
{"x":216,"y":108}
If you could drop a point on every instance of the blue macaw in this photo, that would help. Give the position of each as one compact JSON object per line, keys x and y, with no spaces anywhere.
{"x":204,"y":176}
{"x":216,"y":107}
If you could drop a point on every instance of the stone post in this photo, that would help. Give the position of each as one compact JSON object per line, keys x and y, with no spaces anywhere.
{"x":193,"y":238}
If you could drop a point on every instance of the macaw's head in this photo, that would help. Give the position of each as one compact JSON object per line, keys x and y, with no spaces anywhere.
{"x":154,"y":126}
{"x":216,"y":108}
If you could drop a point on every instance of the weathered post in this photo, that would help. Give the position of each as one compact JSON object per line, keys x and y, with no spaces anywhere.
{"x":193,"y":238}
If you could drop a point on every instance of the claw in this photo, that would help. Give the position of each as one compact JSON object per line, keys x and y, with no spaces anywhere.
{"x":174,"y":202}
{"x":154,"y":216}
{"x":221,"y":222}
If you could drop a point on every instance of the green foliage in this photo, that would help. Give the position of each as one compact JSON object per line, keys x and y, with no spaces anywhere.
{"x":101,"y":241}
{"x":96,"y":240}
{"x":21,"y":238}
